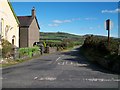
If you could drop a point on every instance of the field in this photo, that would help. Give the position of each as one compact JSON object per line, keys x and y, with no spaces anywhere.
{"x":60,"y":37}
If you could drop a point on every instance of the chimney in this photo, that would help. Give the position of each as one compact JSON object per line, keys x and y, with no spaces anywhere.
{"x":33,"y":12}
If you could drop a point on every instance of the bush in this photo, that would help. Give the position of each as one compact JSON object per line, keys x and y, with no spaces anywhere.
{"x":97,"y":48}
{"x":44,"y":43}
{"x":100,"y":44}
{"x":28,"y":51}
{"x":7,"y":49}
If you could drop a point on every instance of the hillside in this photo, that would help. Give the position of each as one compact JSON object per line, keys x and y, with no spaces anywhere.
{"x":59,"y":36}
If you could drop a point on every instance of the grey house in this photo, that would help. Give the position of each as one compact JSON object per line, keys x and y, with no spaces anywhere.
{"x":29,"y":30}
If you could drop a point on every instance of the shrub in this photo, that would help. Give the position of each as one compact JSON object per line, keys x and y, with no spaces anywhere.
{"x":97,"y":48}
{"x":7,"y":49}
{"x":44,"y":43}
{"x":28,"y":51}
{"x":101,"y":44}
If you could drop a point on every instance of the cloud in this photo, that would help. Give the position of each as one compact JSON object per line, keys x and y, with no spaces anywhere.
{"x":90,"y":18}
{"x":61,"y":21}
{"x":91,"y":28}
{"x":111,"y":11}
{"x":53,"y":25}
{"x":67,"y":21}
{"x":76,"y":19}
{"x":56,"y":23}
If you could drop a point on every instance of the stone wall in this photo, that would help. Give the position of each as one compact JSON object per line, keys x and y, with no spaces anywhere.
{"x":51,"y":49}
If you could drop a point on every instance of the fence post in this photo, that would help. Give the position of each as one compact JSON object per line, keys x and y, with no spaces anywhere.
{"x":119,"y":50}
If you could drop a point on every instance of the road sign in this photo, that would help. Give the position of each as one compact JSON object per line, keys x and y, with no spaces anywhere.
{"x":108,"y":24}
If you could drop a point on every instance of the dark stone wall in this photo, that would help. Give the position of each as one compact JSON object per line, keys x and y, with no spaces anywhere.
{"x":23,"y":35}
{"x":51,"y":49}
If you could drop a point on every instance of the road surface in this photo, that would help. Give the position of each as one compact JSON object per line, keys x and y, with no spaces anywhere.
{"x":60,"y":70}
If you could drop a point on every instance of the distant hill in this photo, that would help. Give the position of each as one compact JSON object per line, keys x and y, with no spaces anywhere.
{"x":59,"y":36}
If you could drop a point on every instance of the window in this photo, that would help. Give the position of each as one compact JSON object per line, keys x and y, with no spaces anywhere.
{"x":13,"y":41}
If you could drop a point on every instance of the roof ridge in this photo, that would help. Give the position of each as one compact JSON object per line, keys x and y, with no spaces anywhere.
{"x":24,"y":16}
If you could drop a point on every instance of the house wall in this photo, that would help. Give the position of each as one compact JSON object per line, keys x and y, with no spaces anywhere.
{"x":23,"y":37}
{"x":10,"y":26}
{"x":33,"y":33}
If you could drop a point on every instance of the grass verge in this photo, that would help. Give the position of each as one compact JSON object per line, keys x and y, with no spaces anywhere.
{"x":14,"y":62}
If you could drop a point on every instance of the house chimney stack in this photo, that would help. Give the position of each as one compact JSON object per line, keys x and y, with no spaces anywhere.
{"x":33,"y":12}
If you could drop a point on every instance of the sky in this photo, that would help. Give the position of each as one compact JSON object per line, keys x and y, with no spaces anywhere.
{"x":79,"y":18}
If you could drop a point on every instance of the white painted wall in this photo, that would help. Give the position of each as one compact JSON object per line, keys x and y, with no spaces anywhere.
{"x":9,"y":23}
{"x":0,"y":34}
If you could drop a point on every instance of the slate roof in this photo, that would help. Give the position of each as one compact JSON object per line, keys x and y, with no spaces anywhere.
{"x":25,"y":21}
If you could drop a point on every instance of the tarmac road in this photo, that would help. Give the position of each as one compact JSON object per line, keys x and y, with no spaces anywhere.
{"x":60,"y":70}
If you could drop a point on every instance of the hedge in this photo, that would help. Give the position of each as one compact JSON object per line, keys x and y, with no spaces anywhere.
{"x":96,"y":48}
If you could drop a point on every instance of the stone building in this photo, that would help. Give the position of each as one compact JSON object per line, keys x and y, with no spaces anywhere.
{"x":29,"y":30}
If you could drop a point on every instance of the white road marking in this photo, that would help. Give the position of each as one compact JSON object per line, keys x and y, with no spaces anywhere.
{"x":47,"y":78}
{"x":101,"y":80}
{"x":1,"y":78}
{"x":82,"y":65}
{"x":71,"y":63}
{"x":66,"y":62}
{"x":35,"y":78}
{"x":63,"y":63}
{"x":58,"y":63}
{"x":58,"y":58}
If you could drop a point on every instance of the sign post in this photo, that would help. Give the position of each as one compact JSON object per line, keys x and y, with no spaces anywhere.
{"x":119,"y":50}
{"x":108,"y":27}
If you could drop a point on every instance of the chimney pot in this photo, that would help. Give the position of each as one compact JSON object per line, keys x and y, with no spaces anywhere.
{"x":33,"y":12}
